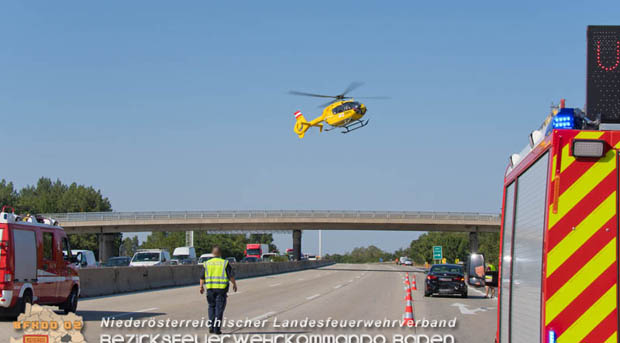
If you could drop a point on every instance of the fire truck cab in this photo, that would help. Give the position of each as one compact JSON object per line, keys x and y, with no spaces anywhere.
{"x":558,"y":275}
{"x":36,"y":264}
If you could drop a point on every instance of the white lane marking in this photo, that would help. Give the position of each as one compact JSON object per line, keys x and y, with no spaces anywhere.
{"x":301,"y":279}
{"x":313,"y":297}
{"x":337,"y":286}
{"x":135,"y":312}
{"x":275,"y":284}
{"x":233,"y":293}
{"x":464,"y":310}
{"x":357,"y":277}
{"x":262,"y":316}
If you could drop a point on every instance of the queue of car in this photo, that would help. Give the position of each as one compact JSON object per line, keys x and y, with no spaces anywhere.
{"x":161,"y":257}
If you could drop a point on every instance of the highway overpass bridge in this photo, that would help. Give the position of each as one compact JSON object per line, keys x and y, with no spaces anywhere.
{"x":105,"y":223}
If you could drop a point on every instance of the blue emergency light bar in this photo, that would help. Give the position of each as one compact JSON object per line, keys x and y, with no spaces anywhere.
{"x":565,"y":119}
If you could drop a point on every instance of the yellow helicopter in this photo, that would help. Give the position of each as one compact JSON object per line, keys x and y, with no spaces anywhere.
{"x":341,"y":112}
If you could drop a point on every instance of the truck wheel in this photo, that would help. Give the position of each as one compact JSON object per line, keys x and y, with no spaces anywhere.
{"x":25,"y":299}
{"x":70,"y":305}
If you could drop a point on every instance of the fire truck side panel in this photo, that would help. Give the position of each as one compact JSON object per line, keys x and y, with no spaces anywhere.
{"x":506,"y":262}
{"x":581,"y":270}
{"x":529,"y":227}
{"x":25,"y":247}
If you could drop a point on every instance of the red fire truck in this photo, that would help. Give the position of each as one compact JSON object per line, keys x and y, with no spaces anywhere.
{"x":36,"y":264}
{"x":559,"y":237}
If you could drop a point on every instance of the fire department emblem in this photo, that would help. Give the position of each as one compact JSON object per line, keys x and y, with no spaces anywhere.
{"x":40,"y":324}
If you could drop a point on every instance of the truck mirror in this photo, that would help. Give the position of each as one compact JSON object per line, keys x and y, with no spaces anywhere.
{"x":475,"y":270}
{"x":79,"y":259}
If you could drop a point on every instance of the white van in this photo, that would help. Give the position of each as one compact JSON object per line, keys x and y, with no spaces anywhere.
{"x":150,"y":257}
{"x":205,"y":257}
{"x":85,"y":258}
{"x":268,"y":256}
{"x":184,"y":255}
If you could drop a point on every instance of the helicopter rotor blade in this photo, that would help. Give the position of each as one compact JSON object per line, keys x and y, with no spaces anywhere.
{"x":373,"y":97}
{"x":312,"y":94}
{"x":327,"y":103}
{"x":352,"y":86}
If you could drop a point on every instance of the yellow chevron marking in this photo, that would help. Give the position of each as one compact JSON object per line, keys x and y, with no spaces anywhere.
{"x":567,"y":159}
{"x":582,"y":233}
{"x":584,"y":185}
{"x":613,"y":338}
{"x":580,"y":281}
{"x":591,"y":318}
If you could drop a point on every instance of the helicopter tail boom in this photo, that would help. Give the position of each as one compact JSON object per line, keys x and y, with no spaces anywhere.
{"x":301,"y":124}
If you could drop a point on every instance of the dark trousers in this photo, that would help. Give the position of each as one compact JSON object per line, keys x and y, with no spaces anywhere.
{"x":217,"y":303}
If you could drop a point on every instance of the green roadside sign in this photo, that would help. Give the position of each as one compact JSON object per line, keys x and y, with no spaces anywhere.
{"x":437,"y":253}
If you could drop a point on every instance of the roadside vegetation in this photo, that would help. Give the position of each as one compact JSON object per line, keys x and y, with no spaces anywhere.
{"x":455,"y":245}
{"x":49,"y":196}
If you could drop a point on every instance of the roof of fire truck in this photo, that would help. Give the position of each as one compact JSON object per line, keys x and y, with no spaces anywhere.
{"x":35,"y":220}
{"x":560,"y":118}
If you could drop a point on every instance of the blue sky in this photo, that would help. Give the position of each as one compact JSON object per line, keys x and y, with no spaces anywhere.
{"x":180,"y":106}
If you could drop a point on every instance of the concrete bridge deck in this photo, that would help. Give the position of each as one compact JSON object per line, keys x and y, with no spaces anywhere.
{"x":239,"y":221}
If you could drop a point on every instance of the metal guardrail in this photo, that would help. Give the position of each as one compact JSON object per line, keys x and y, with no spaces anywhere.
{"x":158,"y":215}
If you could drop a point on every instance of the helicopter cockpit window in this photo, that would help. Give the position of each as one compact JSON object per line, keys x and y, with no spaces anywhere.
{"x":338,"y":109}
{"x":354,"y":104}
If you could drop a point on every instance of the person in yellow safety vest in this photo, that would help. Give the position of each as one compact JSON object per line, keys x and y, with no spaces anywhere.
{"x":218,"y":273}
{"x":488,"y":279}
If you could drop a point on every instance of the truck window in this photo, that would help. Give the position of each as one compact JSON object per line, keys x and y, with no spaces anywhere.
{"x":66,"y":249}
{"x":48,"y":246}
{"x":505,"y":262}
{"x":526,"y":280}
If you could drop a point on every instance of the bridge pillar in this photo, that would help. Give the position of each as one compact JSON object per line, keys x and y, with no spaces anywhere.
{"x":473,"y":242}
{"x":106,"y":246}
{"x":296,"y":245}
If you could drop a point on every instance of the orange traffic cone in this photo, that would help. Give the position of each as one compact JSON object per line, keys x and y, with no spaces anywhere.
{"x":413,"y":285}
{"x":408,"y":320}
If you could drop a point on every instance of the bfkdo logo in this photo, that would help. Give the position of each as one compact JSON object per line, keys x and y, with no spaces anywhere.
{"x":47,"y":325}
{"x":36,"y":339}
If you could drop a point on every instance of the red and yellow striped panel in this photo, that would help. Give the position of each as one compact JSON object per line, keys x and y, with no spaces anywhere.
{"x":581,"y":268}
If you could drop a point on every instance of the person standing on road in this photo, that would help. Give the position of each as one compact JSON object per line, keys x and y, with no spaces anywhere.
{"x":218,"y":273}
{"x":489,"y":282}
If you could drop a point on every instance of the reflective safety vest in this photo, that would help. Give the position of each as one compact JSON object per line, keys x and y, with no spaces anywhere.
{"x":215,"y":273}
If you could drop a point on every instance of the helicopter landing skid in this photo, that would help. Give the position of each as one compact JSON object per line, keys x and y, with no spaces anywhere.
{"x":355,"y":125}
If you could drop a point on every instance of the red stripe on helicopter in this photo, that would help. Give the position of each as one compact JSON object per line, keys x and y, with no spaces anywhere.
{"x":297,"y":114}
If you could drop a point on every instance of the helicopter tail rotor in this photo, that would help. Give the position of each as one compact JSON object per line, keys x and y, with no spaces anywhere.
{"x":302,"y":125}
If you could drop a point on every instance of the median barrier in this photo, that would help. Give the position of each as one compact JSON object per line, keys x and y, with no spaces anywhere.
{"x":129,"y":279}
{"x":99,"y":281}
{"x":114,"y":280}
{"x":185,"y":275}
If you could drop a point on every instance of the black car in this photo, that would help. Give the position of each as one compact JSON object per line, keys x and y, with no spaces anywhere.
{"x":119,"y":261}
{"x":446,"y":279}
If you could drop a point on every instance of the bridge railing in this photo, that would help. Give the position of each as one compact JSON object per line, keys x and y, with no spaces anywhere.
{"x":158,"y":215}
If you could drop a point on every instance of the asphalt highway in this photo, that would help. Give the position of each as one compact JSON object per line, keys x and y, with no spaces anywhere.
{"x":357,"y":293}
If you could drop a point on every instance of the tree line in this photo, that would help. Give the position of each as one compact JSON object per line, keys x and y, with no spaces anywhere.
{"x":49,"y":196}
{"x":455,"y":245}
